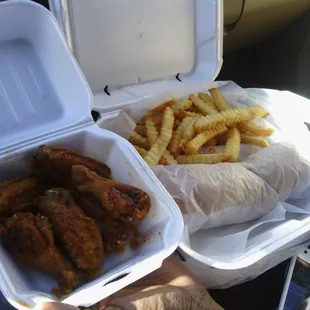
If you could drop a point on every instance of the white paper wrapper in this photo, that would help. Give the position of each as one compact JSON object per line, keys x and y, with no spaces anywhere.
{"x":252,"y":191}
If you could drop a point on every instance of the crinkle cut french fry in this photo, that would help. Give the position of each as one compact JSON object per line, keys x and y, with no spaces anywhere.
{"x":139,"y":140}
{"x":182,"y":114}
{"x":163,"y":106}
{"x":181,"y":104}
{"x":188,"y":134}
{"x":177,"y":136}
{"x":219,"y":99}
{"x":202,"y":159}
{"x":152,"y":136}
{"x":259,"y":111}
{"x":228,"y":118}
{"x":151,"y":131}
{"x":208,"y":122}
{"x":194,"y":145}
{"x":141,"y":130}
{"x":169,"y":159}
{"x":140,"y":150}
{"x":254,"y":140}
{"x":208,"y":100}
{"x":202,"y":106}
{"x":255,"y":129}
{"x":158,"y":148}
{"x":232,"y":148}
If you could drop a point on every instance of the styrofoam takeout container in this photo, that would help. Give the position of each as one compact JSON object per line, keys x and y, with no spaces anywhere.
{"x":44,"y":99}
{"x":130,"y":50}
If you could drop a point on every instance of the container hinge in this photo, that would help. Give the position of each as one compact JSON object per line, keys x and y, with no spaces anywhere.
{"x":106,"y":90}
{"x":178,"y":77}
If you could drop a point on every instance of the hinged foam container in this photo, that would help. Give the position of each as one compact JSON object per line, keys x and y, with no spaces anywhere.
{"x":130,"y":50}
{"x":45,"y":99}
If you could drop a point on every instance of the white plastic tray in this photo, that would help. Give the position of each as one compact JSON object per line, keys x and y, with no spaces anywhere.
{"x":44,"y":99}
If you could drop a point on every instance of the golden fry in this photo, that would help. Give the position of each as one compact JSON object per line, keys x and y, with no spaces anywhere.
{"x":181,"y":104}
{"x":232,"y":148}
{"x":194,"y":145}
{"x":169,"y":159}
{"x":181,"y":125}
{"x":259,"y":111}
{"x":202,"y":106}
{"x":229,"y":118}
{"x":142,"y":152}
{"x":163,"y":106}
{"x":158,"y":148}
{"x":219,"y":99}
{"x":255,"y":129}
{"x":255,"y":140}
{"x":208,"y":100}
{"x":202,"y":159}
{"x":177,"y":136}
{"x":188,"y":133}
{"x":151,"y":130}
{"x":139,"y":140}
{"x":141,"y":130}
{"x":182,"y":114}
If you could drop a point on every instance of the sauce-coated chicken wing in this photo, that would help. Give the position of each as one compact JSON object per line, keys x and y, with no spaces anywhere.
{"x":29,"y":239}
{"x":116,"y":198}
{"x":77,"y":234}
{"x":19,"y":195}
{"x":53,"y":165}
{"x":114,"y":231}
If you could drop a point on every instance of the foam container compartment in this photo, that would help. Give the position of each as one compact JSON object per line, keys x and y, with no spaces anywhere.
{"x":44,"y":99}
{"x":163,"y":225}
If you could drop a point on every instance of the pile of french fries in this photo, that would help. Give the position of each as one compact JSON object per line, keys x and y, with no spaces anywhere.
{"x":183,"y":131}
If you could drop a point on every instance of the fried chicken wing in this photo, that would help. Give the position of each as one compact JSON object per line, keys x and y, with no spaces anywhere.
{"x":29,"y":239}
{"x":116,"y":198}
{"x":19,"y":195}
{"x":77,"y":234}
{"x":114,"y":232}
{"x":53,"y":165}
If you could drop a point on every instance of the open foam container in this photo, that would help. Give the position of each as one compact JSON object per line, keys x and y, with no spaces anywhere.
{"x":45,"y":99}
{"x":131,"y":50}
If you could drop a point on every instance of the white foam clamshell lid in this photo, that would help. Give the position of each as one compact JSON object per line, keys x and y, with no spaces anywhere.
{"x":137,"y":48}
{"x":44,"y":99}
